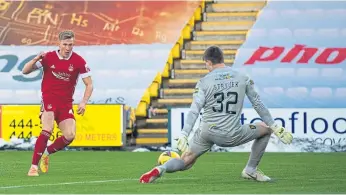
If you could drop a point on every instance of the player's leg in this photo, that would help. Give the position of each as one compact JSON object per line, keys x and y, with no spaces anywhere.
{"x":260,"y":133}
{"x":197,"y":146}
{"x":258,"y":147}
{"x":67,"y":125}
{"x":47,"y":119}
{"x":68,"y":129}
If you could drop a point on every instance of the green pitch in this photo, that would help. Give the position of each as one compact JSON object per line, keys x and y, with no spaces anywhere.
{"x":118,"y":173}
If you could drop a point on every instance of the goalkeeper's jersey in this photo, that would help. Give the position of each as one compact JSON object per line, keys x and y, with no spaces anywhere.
{"x":221,"y":94}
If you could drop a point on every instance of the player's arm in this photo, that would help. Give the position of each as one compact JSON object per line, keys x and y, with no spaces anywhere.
{"x":257,"y":103}
{"x":33,"y":64}
{"x":88,"y":89}
{"x":86,"y":77}
{"x":195,"y":108}
{"x":263,"y":112}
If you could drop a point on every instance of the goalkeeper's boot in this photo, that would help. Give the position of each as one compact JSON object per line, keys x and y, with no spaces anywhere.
{"x":257,"y":175}
{"x":151,"y":176}
{"x":44,"y":163}
{"x":33,"y":171}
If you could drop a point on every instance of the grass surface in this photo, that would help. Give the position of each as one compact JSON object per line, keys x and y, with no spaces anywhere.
{"x":119,"y":172}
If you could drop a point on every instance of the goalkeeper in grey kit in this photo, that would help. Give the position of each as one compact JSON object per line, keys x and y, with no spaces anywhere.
{"x":221,"y":94}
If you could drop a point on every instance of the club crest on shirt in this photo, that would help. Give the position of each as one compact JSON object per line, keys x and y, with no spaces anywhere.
{"x":196,"y":90}
{"x":223,"y":76}
{"x":251,"y":82}
{"x":70,"y":68}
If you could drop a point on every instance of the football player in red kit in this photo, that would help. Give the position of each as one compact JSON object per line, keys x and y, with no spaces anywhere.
{"x":61,"y":70}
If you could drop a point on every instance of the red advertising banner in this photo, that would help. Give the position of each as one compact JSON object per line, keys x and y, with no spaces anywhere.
{"x":94,"y":22}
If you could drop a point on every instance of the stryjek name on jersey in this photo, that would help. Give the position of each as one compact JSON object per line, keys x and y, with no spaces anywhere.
{"x":227,"y":85}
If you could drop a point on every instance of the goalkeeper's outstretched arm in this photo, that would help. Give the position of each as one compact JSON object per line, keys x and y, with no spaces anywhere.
{"x":263,"y":112}
{"x":257,"y":103}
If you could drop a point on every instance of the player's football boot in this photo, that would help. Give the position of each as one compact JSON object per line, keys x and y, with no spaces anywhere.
{"x":150,"y":176}
{"x":44,"y":163}
{"x":257,"y":175}
{"x":33,"y":172}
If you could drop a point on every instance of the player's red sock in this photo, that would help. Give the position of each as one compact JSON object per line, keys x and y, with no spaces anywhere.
{"x":40,"y":146}
{"x":58,"y":144}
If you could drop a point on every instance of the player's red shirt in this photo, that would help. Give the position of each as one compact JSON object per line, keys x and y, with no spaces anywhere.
{"x":60,"y":76}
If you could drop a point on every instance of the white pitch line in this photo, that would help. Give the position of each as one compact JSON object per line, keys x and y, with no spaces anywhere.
{"x":66,"y":183}
{"x":77,"y":182}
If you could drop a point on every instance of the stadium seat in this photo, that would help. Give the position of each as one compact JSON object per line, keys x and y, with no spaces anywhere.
{"x":307,"y":72}
{"x":187,"y":32}
{"x":176,"y":51}
{"x":198,"y":13}
{"x":166,"y":71}
{"x":334,"y":73}
{"x":31,"y":96}
{"x":284,"y":72}
{"x":154,"y":89}
{"x":141,"y":110}
{"x":340,"y":93}
{"x":260,"y":72}
{"x":6,"y":95}
{"x":319,"y":93}
{"x":297,"y":93}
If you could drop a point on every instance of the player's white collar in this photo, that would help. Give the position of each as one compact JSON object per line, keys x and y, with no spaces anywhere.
{"x":62,"y":58}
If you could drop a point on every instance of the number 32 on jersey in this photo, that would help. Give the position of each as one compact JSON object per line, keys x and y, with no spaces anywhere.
{"x":232,"y":99}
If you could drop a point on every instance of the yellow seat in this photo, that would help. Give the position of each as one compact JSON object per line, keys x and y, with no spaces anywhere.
{"x":158,"y":78}
{"x":180,"y":42}
{"x":198,"y":14}
{"x":176,"y":51}
{"x":166,"y":71}
{"x":170,"y":58}
{"x":192,"y":21}
{"x":141,"y":110}
{"x":187,"y":32}
{"x":154,"y":89}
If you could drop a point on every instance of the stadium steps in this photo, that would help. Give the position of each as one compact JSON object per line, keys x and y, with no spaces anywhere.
{"x":220,"y":22}
{"x":234,"y":25}
{"x":154,"y":141}
{"x":202,"y":45}
{"x":195,"y":64}
{"x":188,"y":73}
{"x":232,"y":35}
{"x":180,"y":83}
{"x":230,"y":16}
{"x":198,"y":54}
{"x":235,"y":6}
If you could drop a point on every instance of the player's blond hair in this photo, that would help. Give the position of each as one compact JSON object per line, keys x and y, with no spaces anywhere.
{"x":66,"y":34}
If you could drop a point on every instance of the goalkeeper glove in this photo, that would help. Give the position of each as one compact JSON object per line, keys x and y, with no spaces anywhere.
{"x":284,"y":136}
{"x":182,"y":143}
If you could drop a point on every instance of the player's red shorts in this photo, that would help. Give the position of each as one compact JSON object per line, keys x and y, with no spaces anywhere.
{"x":62,"y":110}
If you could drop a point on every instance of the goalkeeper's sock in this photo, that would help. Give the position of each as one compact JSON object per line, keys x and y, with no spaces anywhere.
{"x":257,"y":151}
{"x":40,"y":146}
{"x":59,"y":144}
{"x":173,"y":165}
